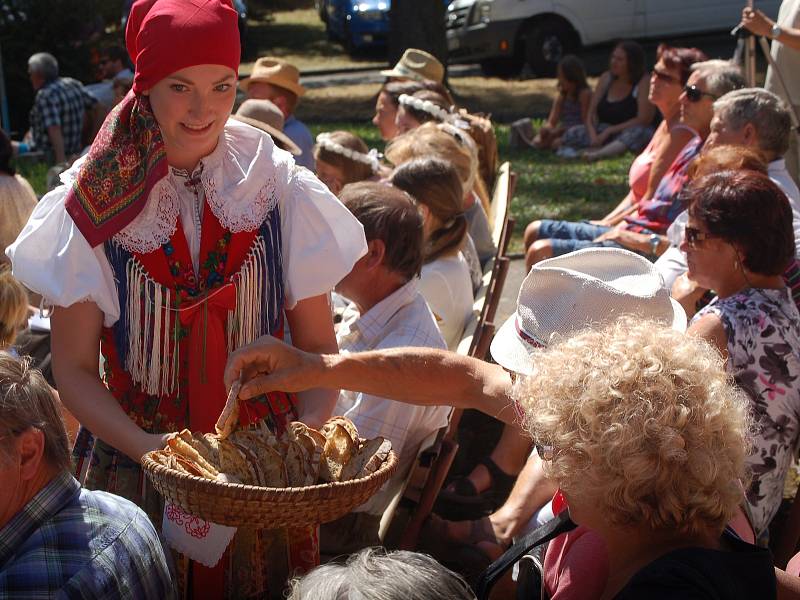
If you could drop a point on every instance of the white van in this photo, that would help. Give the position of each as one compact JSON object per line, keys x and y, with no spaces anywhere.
{"x":504,"y":34}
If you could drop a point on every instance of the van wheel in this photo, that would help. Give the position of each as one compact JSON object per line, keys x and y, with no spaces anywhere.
{"x":545,"y":43}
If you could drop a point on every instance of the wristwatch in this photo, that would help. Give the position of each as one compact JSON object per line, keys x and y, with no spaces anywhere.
{"x":655,"y":240}
{"x":775,"y":32}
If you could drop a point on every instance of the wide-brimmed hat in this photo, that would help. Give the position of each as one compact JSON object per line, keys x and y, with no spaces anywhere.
{"x":417,"y":65}
{"x":587,"y":288}
{"x":276,"y":72}
{"x":264,"y":115}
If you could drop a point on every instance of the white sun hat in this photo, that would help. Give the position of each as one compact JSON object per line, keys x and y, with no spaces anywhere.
{"x":585,"y":289}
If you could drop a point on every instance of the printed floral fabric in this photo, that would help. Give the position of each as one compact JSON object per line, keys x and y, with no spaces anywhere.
{"x":763,"y":329}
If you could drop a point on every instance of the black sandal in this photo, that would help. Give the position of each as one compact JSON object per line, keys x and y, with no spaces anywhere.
{"x":463,"y":501}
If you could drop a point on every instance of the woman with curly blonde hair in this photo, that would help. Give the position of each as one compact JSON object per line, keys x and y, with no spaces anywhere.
{"x":647,"y":439}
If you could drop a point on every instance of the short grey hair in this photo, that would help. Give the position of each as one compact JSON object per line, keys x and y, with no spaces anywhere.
{"x":768,"y":114}
{"x":722,"y":76}
{"x":375,"y":574}
{"x":26,"y":401}
{"x":44,"y":64}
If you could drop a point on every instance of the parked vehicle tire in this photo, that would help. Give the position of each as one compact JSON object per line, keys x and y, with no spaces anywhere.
{"x":545,"y":42}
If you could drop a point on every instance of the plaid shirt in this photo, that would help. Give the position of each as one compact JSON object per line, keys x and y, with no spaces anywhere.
{"x":658,"y":213}
{"x":68,"y":542}
{"x":399,"y":320}
{"x":61,"y":102}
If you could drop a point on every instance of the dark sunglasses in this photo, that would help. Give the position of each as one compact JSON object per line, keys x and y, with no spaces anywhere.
{"x":694,"y":237}
{"x":695,"y":94}
{"x":665,"y":77}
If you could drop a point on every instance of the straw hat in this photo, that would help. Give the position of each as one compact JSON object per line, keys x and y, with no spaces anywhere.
{"x":264,"y":115}
{"x":417,"y":65}
{"x":276,"y":72}
{"x":588,"y":288}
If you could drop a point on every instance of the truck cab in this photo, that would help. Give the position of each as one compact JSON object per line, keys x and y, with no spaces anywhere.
{"x":505,"y":34}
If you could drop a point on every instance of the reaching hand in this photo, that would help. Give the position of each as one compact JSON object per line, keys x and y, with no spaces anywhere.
{"x":756,"y":21}
{"x":268,"y":365}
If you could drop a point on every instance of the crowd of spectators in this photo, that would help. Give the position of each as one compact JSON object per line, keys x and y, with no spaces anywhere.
{"x":649,"y":380}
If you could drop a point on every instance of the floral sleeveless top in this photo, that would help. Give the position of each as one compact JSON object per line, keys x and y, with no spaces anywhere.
{"x":763,"y":329}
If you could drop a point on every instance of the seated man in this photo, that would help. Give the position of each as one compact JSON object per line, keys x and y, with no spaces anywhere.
{"x":386,"y":311}
{"x":644,"y":231}
{"x":57,"y":539}
{"x":279,"y":82}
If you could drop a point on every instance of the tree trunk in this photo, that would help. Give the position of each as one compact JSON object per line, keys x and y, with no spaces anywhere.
{"x":417,"y":24}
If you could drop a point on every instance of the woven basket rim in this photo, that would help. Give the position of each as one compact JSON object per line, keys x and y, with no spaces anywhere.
{"x":220,"y":487}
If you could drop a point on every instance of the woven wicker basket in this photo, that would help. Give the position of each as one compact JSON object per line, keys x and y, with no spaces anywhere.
{"x":236,"y":505}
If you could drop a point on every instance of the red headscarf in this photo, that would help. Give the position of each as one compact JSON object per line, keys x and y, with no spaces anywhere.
{"x":127,"y":157}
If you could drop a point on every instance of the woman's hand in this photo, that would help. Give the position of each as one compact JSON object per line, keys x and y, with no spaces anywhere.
{"x":594,"y":139}
{"x":153,"y":441}
{"x":602,"y":137}
{"x":756,"y":21}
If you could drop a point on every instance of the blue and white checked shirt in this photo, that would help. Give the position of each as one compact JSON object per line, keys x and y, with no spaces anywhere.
{"x":69,"y":542}
{"x":61,"y":102}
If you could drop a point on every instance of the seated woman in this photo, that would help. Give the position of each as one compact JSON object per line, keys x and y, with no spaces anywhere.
{"x":445,"y":279}
{"x":620,"y":115}
{"x":387,"y":104}
{"x":342,"y":157}
{"x":570,"y":108}
{"x":377,"y":573}
{"x":666,"y":85}
{"x":738,"y":241}
{"x":647,"y":441}
{"x":455,"y":146}
{"x":421,"y":107}
{"x":18,"y":198}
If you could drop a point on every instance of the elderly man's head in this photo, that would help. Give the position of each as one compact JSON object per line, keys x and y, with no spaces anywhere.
{"x":708,"y":81}
{"x":752,"y":117}
{"x":33,"y":441}
{"x":42,"y":69}
{"x":643,"y":430}
{"x":393,"y":228}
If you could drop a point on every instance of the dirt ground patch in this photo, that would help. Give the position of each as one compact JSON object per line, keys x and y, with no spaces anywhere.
{"x":504,"y":100}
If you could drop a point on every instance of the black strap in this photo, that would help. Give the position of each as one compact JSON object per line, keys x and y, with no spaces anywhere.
{"x":541,"y":535}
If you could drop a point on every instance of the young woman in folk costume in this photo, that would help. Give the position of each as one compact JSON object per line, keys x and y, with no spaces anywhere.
{"x":182,"y":236}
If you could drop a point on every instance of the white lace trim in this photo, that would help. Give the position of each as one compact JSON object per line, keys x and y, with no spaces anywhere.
{"x":155,"y":225}
{"x":240,"y":198}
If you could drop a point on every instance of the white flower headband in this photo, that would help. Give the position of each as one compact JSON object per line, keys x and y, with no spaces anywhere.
{"x":426,"y":106}
{"x":371,"y":158}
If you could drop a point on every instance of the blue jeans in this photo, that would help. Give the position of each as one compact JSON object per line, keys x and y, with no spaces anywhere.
{"x":567,"y":236}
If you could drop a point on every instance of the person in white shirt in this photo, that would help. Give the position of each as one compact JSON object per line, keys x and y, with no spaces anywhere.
{"x":785,"y":34}
{"x":757,"y":119}
{"x":386,"y":311}
{"x":445,"y":281}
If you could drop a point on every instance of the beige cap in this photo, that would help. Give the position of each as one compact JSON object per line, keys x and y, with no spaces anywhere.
{"x":264,"y":115}
{"x":276,"y":72}
{"x":417,"y":65}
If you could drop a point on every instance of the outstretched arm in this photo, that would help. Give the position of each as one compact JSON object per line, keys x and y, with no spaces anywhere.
{"x":422,"y":376}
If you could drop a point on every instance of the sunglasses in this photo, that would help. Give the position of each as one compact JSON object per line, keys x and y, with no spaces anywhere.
{"x":664,"y":76}
{"x":695,"y":94}
{"x":694,"y":237}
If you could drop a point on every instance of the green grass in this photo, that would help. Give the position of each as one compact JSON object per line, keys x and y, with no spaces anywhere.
{"x":547,"y":187}
{"x":35,"y":173}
